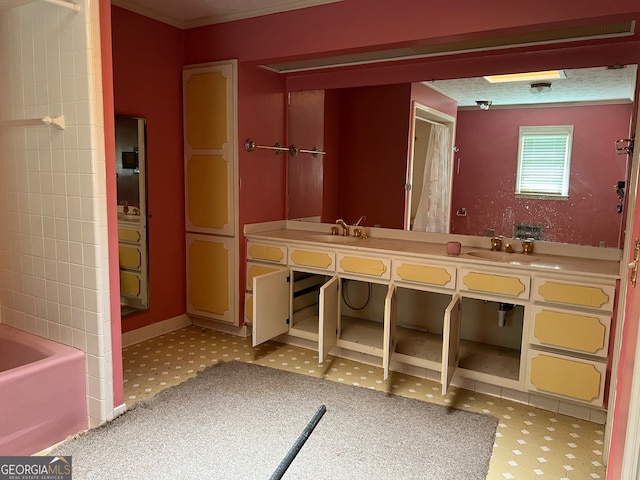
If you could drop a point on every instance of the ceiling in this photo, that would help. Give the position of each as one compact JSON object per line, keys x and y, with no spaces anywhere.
{"x":196,"y":13}
{"x":593,"y":85}
{"x":580,"y":85}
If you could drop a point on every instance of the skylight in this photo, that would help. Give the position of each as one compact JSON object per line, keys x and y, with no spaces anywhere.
{"x":526,"y":77}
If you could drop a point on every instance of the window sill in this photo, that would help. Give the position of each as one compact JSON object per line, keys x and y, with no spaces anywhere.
{"x":540,"y":196}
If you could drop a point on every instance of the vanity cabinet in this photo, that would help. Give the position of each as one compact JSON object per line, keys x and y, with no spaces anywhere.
{"x":132,"y":256}
{"x":300,"y":300}
{"x":569,"y":338}
{"x":510,"y":329}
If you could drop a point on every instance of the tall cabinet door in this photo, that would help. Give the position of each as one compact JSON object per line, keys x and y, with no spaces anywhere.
{"x":210,"y":147}
{"x":329,"y":311}
{"x":211,"y":276}
{"x":210,"y":169}
{"x":450,"y":342}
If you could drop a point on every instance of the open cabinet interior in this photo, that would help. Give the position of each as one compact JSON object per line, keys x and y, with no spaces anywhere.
{"x":491,"y":337}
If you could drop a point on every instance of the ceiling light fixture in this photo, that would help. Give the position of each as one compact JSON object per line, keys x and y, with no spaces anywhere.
{"x":526,"y":77}
{"x":484,"y":104}
{"x":540,"y":88}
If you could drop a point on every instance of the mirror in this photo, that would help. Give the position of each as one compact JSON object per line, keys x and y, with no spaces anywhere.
{"x":132,"y":213}
{"x":366,"y":132}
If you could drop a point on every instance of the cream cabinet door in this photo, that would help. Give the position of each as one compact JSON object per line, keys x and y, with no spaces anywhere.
{"x":329,"y":312}
{"x":389,"y":339}
{"x":211,"y":277}
{"x":210,"y":147}
{"x":271,"y":295}
{"x":450,"y":342}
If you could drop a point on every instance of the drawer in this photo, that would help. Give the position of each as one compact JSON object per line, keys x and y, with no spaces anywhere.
{"x":267,"y":253}
{"x":130,"y":284}
{"x":571,"y":378}
{"x":515,"y":286}
{"x":130,"y":256}
{"x":130,"y":235}
{"x":578,"y":332}
{"x":420,"y":273}
{"x":316,"y":259}
{"x":570,"y":293}
{"x":256,"y":269}
{"x":373,"y":267}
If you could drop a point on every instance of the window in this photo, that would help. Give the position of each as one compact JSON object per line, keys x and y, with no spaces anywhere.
{"x":544,"y":156}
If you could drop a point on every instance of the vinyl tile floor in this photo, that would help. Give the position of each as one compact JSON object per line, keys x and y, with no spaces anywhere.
{"x":530,"y":443}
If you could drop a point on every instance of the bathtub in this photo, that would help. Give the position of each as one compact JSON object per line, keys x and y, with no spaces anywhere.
{"x":42,"y":392}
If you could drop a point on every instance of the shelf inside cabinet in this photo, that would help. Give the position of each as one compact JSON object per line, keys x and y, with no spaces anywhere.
{"x":361,"y":335}
{"x":490,"y":359}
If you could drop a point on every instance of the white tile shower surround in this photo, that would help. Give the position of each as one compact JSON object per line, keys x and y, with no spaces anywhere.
{"x":531,"y":443}
{"x":53,"y":208}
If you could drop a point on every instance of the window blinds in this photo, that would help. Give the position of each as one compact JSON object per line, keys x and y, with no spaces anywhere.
{"x":543,"y":160}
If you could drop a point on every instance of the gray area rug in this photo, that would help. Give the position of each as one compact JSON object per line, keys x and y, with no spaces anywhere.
{"x":238,"y":421}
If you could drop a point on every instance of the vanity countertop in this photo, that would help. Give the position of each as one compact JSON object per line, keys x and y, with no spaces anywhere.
{"x":470,"y":255}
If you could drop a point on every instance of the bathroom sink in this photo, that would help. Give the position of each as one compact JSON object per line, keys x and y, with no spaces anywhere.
{"x":503,"y":257}
{"x":328,"y":238}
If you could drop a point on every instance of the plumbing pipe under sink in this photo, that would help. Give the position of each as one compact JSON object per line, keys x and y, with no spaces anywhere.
{"x":503,"y":308}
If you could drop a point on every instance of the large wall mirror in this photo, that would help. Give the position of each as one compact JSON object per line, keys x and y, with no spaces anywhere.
{"x":371,"y":134}
{"x":132,"y":213}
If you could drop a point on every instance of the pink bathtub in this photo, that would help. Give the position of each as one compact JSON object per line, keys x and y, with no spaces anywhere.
{"x":42,"y":392}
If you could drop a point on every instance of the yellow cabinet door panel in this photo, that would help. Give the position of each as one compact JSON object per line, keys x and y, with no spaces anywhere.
{"x":314,"y":259}
{"x":129,"y":235}
{"x":572,"y":378}
{"x":210,"y":147}
{"x":130,"y":285}
{"x":426,"y":274}
{"x":257,"y":269}
{"x":210,"y":277}
{"x":130,"y":256}
{"x":594,"y":296}
{"x":511,"y":286}
{"x":268,"y":253}
{"x":585,"y":333}
{"x":208,"y":192}
{"x":206,"y":107}
{"x":373,"y":267}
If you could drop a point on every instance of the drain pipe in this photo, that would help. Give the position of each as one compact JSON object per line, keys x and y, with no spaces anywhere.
{"x":503,"y":308}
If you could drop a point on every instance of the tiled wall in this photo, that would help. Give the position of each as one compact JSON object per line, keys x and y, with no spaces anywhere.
{"x":53,"y":220}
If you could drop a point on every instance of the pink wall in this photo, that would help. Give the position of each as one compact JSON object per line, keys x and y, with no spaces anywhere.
{"x":430,"y":98}
{"x":306,"y":172}
{"x":374,"y":132}
{"x":484,"y":182}
{"x":331,"y":166}
{"x":263,"y":184}
{"x":147,"y":79}
{"x":341,"y":27}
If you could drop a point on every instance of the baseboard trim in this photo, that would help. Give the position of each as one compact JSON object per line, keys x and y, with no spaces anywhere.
{"x":155,"y":330}
{"x":119,"y":410}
